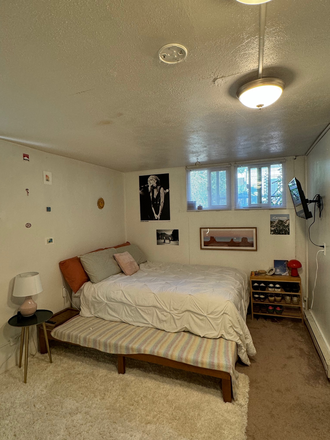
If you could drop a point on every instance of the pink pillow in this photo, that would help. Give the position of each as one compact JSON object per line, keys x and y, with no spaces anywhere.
{"x":127,"y":263}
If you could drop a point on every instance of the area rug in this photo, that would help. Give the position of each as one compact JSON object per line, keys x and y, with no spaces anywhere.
{"x":81,"y":396}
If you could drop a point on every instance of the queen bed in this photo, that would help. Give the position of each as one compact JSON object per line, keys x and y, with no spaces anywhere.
{"x":207,"y":302}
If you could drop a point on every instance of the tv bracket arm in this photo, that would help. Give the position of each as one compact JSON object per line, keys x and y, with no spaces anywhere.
{"x":319,"y":202}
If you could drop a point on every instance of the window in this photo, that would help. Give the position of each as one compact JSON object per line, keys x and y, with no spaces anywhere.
{"x":208,"y":188}
{"x":260,"y":186}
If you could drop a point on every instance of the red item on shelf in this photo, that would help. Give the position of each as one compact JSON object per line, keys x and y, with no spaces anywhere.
{"x":294,"y":265}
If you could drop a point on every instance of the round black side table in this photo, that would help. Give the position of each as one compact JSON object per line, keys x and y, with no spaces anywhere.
{"x":39,"y":317}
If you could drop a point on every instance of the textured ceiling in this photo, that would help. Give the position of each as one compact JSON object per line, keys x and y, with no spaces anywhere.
{"x":82,"y":79}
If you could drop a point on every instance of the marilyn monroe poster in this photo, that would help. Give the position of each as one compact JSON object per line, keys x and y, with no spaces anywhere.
{"x":154,"y":197}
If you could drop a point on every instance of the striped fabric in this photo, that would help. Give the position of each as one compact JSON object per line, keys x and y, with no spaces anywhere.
{"x":120,"y":338}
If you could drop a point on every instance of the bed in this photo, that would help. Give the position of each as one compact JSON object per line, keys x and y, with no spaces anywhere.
{"x":208,"y":302}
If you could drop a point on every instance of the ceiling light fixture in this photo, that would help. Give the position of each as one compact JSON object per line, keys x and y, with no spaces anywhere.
{"x":253,"y":2}
{"x":261,"y":92}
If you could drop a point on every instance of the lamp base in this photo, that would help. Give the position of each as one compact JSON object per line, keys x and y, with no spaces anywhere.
{"x":294,"y":272}
{"x":28,"y":308}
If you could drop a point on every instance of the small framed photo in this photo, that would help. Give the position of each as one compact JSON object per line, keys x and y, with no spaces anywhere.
{"x":228,"y":239}
{"x":279,"y":224}
{"x":168,"y":236}
{"x":48,"y":178}
{"x":281,"y":267}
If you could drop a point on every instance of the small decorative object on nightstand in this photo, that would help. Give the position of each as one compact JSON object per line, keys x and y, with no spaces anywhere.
{"x":39,"y":317}
{"x":26,"y":285}
{"x":294,"y":265}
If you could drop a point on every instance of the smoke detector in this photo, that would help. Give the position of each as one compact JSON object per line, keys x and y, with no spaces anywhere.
{"x":172,"y":53}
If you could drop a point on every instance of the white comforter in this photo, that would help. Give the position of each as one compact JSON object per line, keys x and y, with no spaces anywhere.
{"x":209,"y":301}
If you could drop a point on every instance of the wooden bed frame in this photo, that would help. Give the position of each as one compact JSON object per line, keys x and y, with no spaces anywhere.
{"x":66,"y":314}
{"x":226,"y":385}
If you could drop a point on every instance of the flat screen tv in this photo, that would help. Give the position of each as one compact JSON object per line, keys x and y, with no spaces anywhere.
{"x":299,"y":200}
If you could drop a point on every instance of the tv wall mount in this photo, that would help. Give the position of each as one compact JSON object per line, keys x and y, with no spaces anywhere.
{"x":319,"y":203}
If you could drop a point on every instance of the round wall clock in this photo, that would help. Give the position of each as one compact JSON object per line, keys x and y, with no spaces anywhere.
{"x":100,"y":203}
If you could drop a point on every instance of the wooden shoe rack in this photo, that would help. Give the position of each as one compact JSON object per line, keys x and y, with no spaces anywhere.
{"x":290,"y":291}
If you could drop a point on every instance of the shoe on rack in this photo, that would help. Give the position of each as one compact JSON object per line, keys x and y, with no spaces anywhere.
{"x":279,"y":310}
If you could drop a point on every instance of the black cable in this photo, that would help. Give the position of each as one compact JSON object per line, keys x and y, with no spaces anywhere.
{"x":320,"y":206}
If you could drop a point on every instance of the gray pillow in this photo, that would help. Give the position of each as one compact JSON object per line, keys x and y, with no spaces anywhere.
{"x":100,"y":265}
{"x":135,"y":251}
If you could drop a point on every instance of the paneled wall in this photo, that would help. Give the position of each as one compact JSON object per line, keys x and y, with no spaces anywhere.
{"x":318,"y":178}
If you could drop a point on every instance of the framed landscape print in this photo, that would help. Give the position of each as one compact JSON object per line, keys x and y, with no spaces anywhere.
{"x":228,"y":239}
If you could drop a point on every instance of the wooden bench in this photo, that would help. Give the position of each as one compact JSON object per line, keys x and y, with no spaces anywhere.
{"x":226,"y":385}
{"x":183,"y":350}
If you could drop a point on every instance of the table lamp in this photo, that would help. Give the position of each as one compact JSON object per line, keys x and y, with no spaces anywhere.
{"x":26,"y":285}
{"x":294,"y":265}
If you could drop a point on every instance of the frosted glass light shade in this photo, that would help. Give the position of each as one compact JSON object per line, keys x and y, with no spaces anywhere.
{"x":261,"y":92}
{"x":253,"y":2}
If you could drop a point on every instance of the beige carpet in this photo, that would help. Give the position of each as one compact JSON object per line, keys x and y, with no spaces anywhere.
{"x":289,"y":392}
{"x":81,"y":396}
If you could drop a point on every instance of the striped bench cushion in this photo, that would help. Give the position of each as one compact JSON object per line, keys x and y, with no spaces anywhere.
{"x":120,"y":338}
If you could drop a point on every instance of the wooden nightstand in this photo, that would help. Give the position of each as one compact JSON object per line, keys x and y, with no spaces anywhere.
{"x":57,"y":319}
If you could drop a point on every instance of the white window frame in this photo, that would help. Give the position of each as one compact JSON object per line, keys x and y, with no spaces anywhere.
{"x":261,"y":205}
{"x":209,"y":170}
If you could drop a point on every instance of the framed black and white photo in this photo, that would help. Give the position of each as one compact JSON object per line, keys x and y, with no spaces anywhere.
{"x":279,"y":224}
{"x":154,"y":197}
{"x":168,"y":236}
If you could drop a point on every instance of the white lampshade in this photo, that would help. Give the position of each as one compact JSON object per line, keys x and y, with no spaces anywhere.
{"x":261,"y":92}
{"x":253,"y":2}
{"x":27,"y":284}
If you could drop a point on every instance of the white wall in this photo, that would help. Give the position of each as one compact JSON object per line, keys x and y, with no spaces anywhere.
{"x":270,"y":247}
{"x":75,"y":223}
{"x":78,"y":226}
{"x":318,"y":178}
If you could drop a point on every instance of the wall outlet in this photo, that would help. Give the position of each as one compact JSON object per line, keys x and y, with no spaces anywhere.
{"x":49,"y":240}
{"x":64,"y":292}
